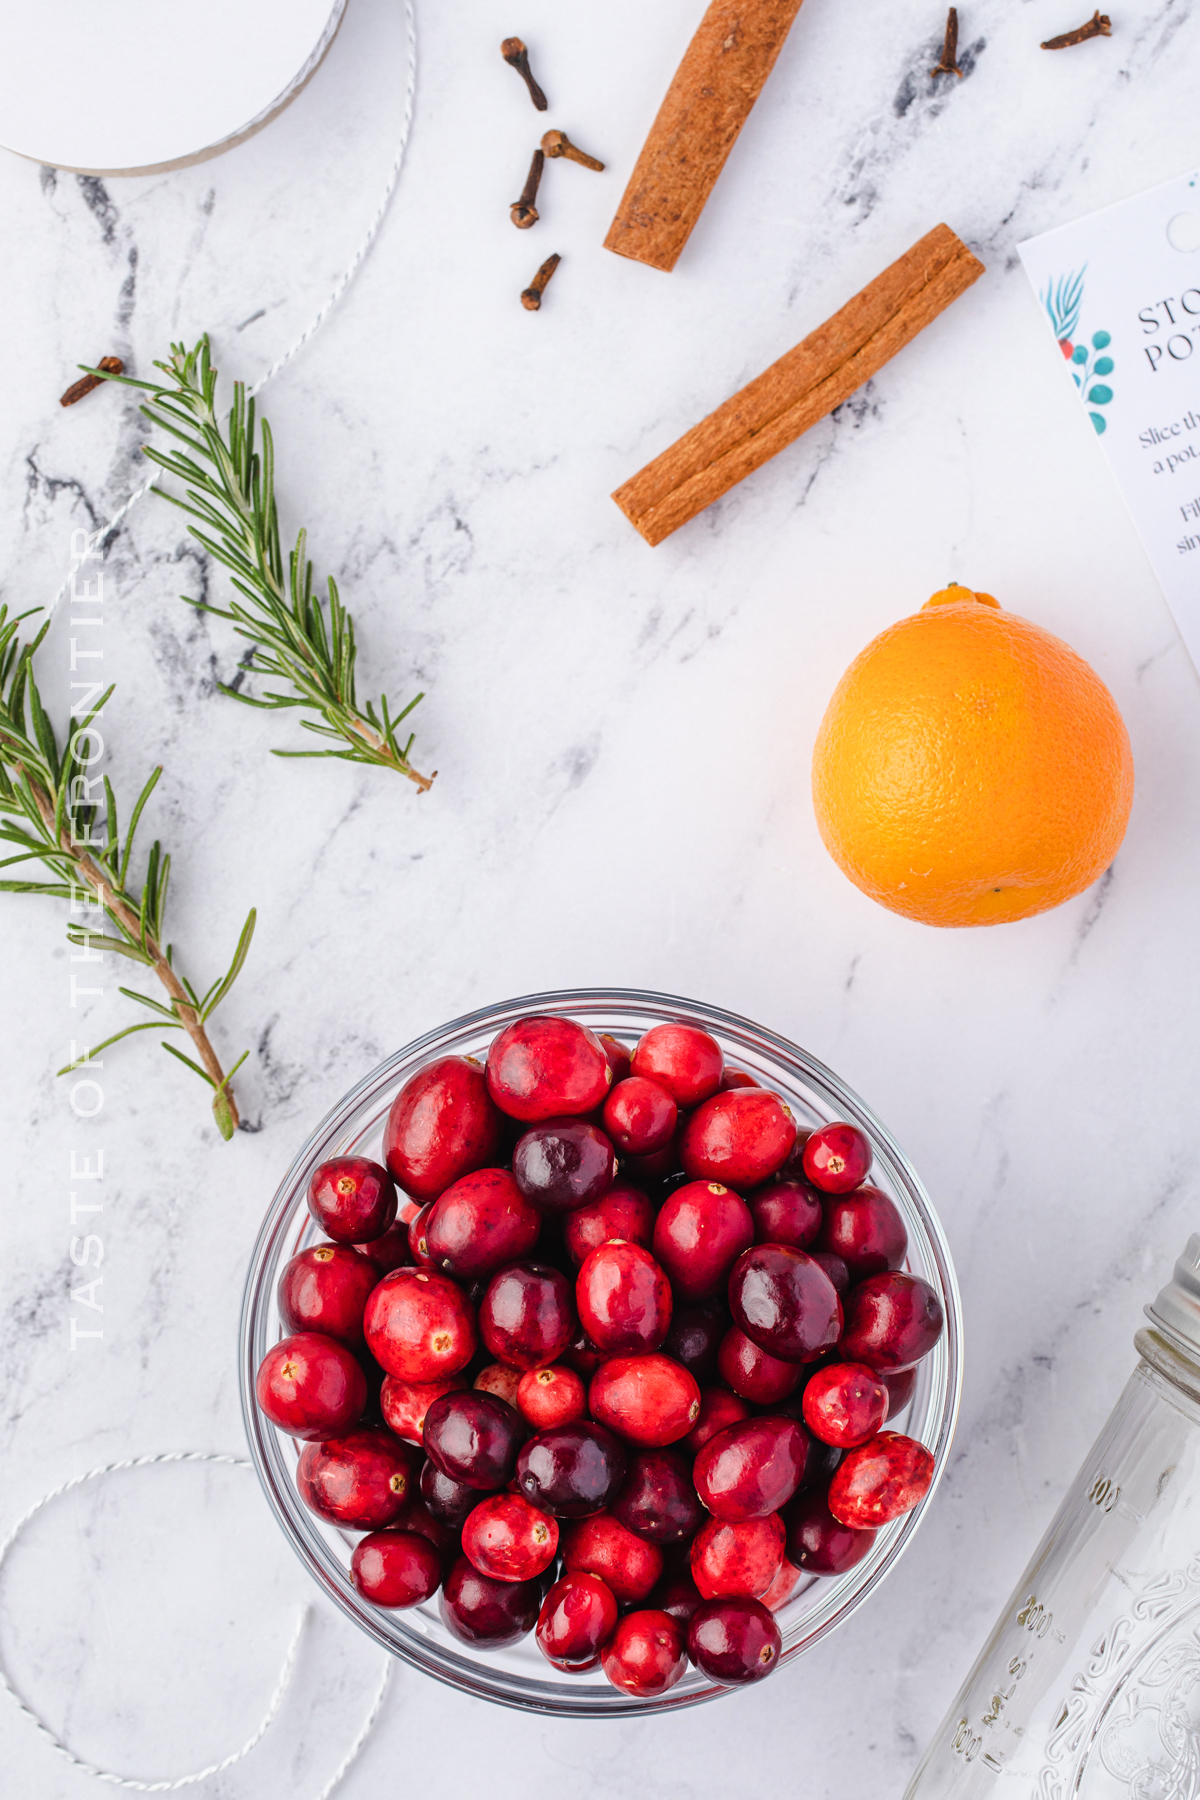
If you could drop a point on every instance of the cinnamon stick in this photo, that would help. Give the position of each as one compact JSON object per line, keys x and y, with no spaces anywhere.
{"x":804,"y":385}
{"x":715,"y":87}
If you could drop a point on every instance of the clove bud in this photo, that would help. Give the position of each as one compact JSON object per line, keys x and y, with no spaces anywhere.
{"x":517,"y":57}
{"x":524,"y":212}
{"x":1099,"y":25}
{"x":557,"y":143}
{"x":87,"y":384}
{"x":531,"y":299}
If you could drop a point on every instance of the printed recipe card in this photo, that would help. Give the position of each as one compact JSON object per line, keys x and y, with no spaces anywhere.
{"x":1121,"y":292}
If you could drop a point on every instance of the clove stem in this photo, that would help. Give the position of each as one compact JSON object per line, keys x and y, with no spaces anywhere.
{"x":1099,"y":25}
{"x":949,"y":62}
{"x":524,"y":213}
{"x":531,"y":299}
{"x":517,"y":57}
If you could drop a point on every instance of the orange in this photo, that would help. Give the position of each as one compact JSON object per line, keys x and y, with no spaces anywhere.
{"x":971,"y":768}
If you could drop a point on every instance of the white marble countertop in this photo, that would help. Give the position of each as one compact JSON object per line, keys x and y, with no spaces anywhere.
{"x":623,"y":738}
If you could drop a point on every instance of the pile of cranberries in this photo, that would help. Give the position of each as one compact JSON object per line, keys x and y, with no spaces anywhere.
{"x":614,"y":1367}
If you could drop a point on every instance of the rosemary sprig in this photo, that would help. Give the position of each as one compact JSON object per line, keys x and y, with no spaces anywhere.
{"x":47,"y":814}
{"x":230,"y":490}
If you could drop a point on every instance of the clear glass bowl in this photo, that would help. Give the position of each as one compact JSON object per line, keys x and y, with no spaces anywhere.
{"x":519,"y":1676}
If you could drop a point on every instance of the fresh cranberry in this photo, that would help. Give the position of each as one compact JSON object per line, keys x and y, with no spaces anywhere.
{"x":619,"y":1060}
{"x":582,"y":1355}
{"x":325,"y":1289}
{"x":494,"y":1378}
{"x":391,"y":1251}
{"x":352,"y":1199}
{"x":442,"y":1124}
{"x":603,"y":1546}
{"x":474,"y":1438}
{"x":449,"y":1502}
{"x":681,"y":1058}
{"x":646,"y":1655}
{"x":560,"y":1164}
{"x":899,"y":1384}
{"x":578,"y":1617}
{"x":477,"y":1610}
{"x":737,"y":1078}
{"x":418,"y":1243}
{"x":845,"y":1404}
{"x":623,"y":1299}
{"x":751,"y":1469}
{"x":648,"y":1399}
{"x":417,"y":1518}
{"x":480,"y":1223}
{"x":834,"y":1267}
{"x":698,"y":1236}
{"x":694,"y":1337}
{"x":741,"y":1137}
{"x":311,"y":1386}
{"x":541,"y":1066}
{"x":783,"y":1586}
{"x":753,"y":1372}
{"x":734,"y":1641}
{"x":718,"y":1408}
{"x":865,"y":1229}
{"x":419,"y":1325}
{"x":786,"y":1212}
{"x":639,"y":1116}
{"x":552,"y":1396}
{"x":817,"y":1542}
{"x":658,"y":1166}
{"x":677,"y":1594}
{"x":571,"y":1470}
{"x":657,"y":1499}
{"x":624,"y":1212}
{"x":737,"y":1558}
{"x":508,"y":1540}
{"x":785,"y":1301}
{"x":837,"y":1157}
{"x":527,"y":1316}
{"x":362,"y":1480}
{"x":395,"y":1568}
{"x":892,"y":1321}
{"x":405,"y":1403}
{"x":881,"y":1481}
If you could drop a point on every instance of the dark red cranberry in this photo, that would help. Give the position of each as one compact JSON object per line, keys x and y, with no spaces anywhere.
{"x":405,"y":1403}
{"x":624,"y":1212}
{"x":785,"y":1301}
{"x":718,"y":1408}
{"x":352,"y":1199}
{"x":474,"y":1438}
{"x":865,"y":1229}
{"x":698,"y":1236}
{"x":786,"y":1212}
{"x":508,"y":1540}
{"x":646,"y":1654}
{"x":391,"y":1251}
{"x":741,"y":1137}
{"x":527,"y":1316}
{"x":490,"y":1614}
{"x":881,"y":1481}
{"x":325,"y":1289}
{"x":752,"y":1469}
{"x":740,"y":1557}
{"x":564,"y":1163}
{"x":623,"y":1299}
{"x":694,"y":1337}
{"x":312,"y":1387}
{"x":448,"y":1501}
{"x":395,"y":1568}
{"x":837,"y":1157}
{"x":783,"y":1586}
{"x":419,"y":1325}
{"x":648,"y":1399}
{"x":737,"y":1078}
{"x":442,"y":1124}
{"x":899,"y":1384}
{"x":834,"y":1267}
{"x":582,"y":1355}
{"x":677,"y":1594}
{"x":817,"y":1542}
{"x":753,"y":1372}
{"x":639,"y":1116}
{"x":553,"y":1396}
{"x":495,"y":1378}
{"x":578,"y":1617}
{"x":845,"y":1404}
{"x":681,"y":1058}
{"x":617,"y":1054}
{"x":658,"y":1166}
{"x":480,"y":1223}
{"x":571,"y":1470}
{"x":892,"y":1321}
{"x":417,"y":1517}
{"x":603,"y":1546}
{"x":657,"y":1499}
{"x":363,"y":1480}
{"x":542,"y":1066}
{"x":418,"y":1243}
{"x":734,"y":1641}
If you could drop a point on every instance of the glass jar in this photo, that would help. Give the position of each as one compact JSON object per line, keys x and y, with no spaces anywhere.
{"x":1089,"y":1686}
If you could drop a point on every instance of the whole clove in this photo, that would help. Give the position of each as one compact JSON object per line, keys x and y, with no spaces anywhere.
{"x":949,"y":62}
{"x":517,"y":57}
{"x":524,"y":213}
{"x":89,"y":383}
{"x":531,"y":299}
{"x":1099,"y":25}
{"x":557,"y":143}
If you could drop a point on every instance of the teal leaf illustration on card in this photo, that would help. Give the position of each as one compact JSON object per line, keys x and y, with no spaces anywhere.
{"x":1100,"y":395}
{"x":1099,"y":421}
{"x":1063,"y":302}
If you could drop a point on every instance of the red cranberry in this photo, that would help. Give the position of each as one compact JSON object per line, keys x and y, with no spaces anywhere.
{"x":740,"y":1137}
{"x":564,"y":1163}
{"x":649,"y":1399}
{"x":899,"y":1385}
{"x":508,"y":1540}
{"x":578,"y":1617}
{"x":818,"y":1543}
{"x":892,"y":1321}
{"x":478,"y":1610}
{"x":442,"y":1124}
{"x":785,"y":1301}
{"x":395,"y":1568}
{"x":449,"y":1502}
{"x":603,"y":1546}
{"x":618,"y":1056}
{"x":646,"y":1654}
{"x":694,"y":1337}
{"x":582,"y":1355}
{"x":677,"y":1594}
{"x":865,"y":1229}
{"x":542,"y":1066}
{"x":552,"y":1396}
{"x":479,"y":1224}
{"x":352,"y":1199}
{"x":786,"y":1212}
{"x":496,"y":1379}
{"x":474,"y":1438}
{"x":783,"y":1586}
{"x":881,"y":1481}
{"x":624,"y":1212}
{"x":658,"y":1166}
{"x":837,"y":1157}
{"x":405,"y":1403}
{"x":311,"y":1386}
{"x":325,"y":1289}
{"x":845,"y":1404}
{"x":639,"y":1116}
{"x":718,"y":1408}
{"x":737,"y":1078}
{"x":734,"y":1641}
{"x":571,"y":1470}
{"x":657,"y":1499}
{"x":623,"y":1299}
{"x":698,"y":1236}
{"x":527,"y":1316}
{"x":753,"y":1372}
{"x":834,"y":1267}
{"x":681,"y":1058}
{"x":417,"y":1518}
{"x":750,"y":1470}
{"x":418,"y":1243}
{"x":419,"y":1325}
{"x":362,"y":1480}
{"x":737,"y":1558}
{"x":391,"y":1251}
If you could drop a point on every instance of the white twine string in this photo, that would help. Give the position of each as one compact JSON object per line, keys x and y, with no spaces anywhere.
{"x":281,"y":1686}
{"x":99,"y":538}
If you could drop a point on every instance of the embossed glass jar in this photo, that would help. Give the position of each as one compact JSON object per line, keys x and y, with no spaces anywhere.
{"x":1089,"y":1686}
